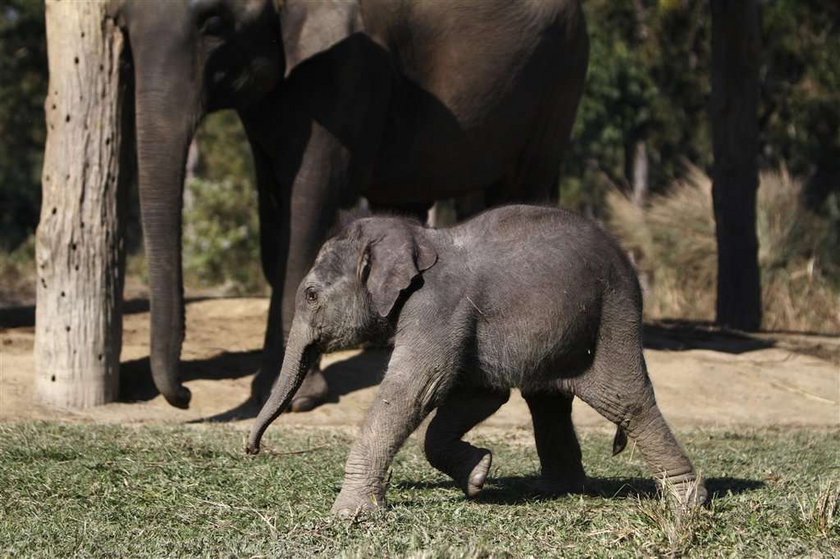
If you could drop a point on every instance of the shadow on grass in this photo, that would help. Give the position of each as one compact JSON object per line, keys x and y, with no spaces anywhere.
{"x":516,"y":490}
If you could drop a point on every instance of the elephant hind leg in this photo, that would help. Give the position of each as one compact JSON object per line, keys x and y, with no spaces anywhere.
{"x":557,"y":444}
{"x":623,"y":394}
{"x":466,"y":464}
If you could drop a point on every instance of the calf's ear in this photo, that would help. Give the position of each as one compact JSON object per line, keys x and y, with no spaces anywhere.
{"x":394,"y":260}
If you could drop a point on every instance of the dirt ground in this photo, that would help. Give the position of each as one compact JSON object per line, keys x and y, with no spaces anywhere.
{"x":702,"y":377}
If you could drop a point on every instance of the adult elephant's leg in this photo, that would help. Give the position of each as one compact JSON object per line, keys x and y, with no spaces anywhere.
{"x":313,"y":166}
{"x":314,"y":204}
{"x":557,"y":444}
{"x":274,"y":205}
{"x":463,"y":409}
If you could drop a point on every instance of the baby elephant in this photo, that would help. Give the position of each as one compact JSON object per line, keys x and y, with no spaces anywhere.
{"x":530,"y":297}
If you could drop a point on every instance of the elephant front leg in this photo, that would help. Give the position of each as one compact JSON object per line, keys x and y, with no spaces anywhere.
{"x":463,"y":409}
{"x":404,"y":399}
{"x":557,"y":444}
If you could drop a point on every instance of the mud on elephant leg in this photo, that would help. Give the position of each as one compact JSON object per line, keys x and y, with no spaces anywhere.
{"x":463,"y":462}
{"x":557,"y":444}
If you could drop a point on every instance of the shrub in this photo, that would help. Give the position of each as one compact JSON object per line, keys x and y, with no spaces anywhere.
{"x":672,"y":241}
{"x":221,"y":237}
{"x":17,"y":274}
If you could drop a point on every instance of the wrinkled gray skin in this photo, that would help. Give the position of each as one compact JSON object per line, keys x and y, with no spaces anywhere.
{"x":521,"y":296}
{"x":401,"y":101}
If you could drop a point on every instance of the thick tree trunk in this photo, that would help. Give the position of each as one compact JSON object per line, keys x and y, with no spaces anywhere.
{"x":734,"y":113}
{"x":87,"y":169}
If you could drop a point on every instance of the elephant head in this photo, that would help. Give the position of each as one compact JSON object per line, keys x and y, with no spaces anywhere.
{"x":349,"y":296}
{"x":190,"y":57}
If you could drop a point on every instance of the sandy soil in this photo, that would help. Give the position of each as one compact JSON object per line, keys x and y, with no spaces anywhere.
{"x":702,"y":377}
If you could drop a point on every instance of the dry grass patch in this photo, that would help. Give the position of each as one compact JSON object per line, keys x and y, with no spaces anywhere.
{"x":672,"y":241}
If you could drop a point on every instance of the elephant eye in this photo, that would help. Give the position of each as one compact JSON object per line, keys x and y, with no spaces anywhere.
{"x":311,"y":295}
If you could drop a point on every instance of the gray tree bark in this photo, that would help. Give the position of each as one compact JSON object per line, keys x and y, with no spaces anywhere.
{"x":640,"y":173}
{"x":86,"y":174}
{"x":736,"y":44}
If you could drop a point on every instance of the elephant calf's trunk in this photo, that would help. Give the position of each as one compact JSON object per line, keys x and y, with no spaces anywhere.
{"x":299,"y":357}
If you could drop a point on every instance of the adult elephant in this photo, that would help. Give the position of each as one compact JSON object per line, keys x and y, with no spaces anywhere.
{"x":402,"y":101}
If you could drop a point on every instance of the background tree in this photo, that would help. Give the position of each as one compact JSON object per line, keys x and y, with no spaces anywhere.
{"x":736,"y":44}
{"x":88,"y":164}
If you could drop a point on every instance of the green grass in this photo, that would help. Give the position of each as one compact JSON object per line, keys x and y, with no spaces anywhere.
{"x":86,"y":490}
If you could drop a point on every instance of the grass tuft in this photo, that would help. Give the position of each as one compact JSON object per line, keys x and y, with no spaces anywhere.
{"x":677,"y":523}
{"x":819,"y":514}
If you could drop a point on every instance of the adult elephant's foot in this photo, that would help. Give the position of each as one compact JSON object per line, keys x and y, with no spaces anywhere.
{"x":312,"y":393}
{"x":353,"y":503}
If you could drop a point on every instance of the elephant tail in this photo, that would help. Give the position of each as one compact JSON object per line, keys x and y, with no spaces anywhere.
{"x":620,"y":440}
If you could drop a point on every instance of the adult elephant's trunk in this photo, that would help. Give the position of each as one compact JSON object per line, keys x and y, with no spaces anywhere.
{"x":301,"y":353}
{"x":167,"y":108}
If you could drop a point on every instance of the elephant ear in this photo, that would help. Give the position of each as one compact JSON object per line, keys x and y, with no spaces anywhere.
{"x":391,"y":263}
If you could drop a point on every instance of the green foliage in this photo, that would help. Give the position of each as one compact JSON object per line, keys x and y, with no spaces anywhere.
{"x":649,"y":80}
{"x":224,"y":153}
{"x":221,"y":236}
{"x":800,"y":103}
{"x":164,"y":491}
{"x":23,"y":86}
{"x":221,"y":226}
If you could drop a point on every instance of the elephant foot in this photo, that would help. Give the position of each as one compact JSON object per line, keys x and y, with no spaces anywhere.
{"x":313,"y":392}
{"x":691,"y":494}
{"x":181,"y":399}
{"x":467,"y":465}
{"x":352,"y":504}
{"x":478,"y":475}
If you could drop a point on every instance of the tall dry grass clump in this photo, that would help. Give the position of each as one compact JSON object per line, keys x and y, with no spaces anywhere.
{"x":672,"y":241}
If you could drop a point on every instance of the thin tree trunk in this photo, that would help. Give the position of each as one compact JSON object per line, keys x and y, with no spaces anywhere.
{"x":734,"y":112}
{"x":636,"y":152}
{"x":640,"y":173}
{"x":87,"y":169}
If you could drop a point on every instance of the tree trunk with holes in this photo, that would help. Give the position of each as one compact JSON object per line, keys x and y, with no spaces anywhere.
{"x":86,"y":174}
{"x":736,"y":44}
